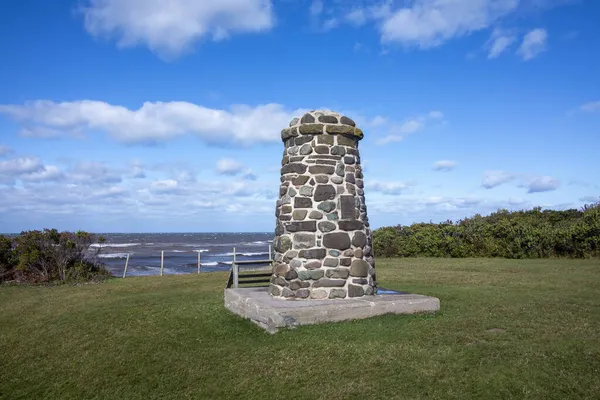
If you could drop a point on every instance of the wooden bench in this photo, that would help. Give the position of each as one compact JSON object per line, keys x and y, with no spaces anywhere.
{"x":252,"y":278}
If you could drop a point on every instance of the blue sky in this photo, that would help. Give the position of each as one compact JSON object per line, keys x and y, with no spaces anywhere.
{"x":146,"y":115}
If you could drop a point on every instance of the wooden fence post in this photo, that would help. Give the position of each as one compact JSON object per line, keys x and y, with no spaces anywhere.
{"x":126,"y":264}
{"x":162,"y":262}
{"x":198,"y":260}
{"x":235,"y":271}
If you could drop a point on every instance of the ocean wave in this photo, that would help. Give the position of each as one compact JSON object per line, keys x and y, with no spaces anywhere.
{"x":247,"y":254}
{"x":209,"y":264}
{"x":186,"y":251}
{"x":103,"y":245}
{"x":113,"y":255}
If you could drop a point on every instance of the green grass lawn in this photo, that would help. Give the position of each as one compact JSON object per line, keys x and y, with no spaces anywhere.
{"x":171,"y":338}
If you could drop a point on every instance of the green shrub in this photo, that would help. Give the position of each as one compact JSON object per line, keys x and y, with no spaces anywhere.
{"x":519,"y":234}
{"x":49,"y":255}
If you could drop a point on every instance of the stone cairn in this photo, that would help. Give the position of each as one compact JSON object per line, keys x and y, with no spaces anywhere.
{"x":323,"y":244}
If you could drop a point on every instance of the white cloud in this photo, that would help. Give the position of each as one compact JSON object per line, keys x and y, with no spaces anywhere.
{"x":228,"y":166}
{"x":21,"y":165}
{"x":499,"y":42}
{"x":591,"y":106}
{"x":330,"y":24}
{"x":154,"y":122}
{"x":5,"y":150}
{"x":111,"y":191}
{"x":47,"y":173}
{"x":444,"y":165}
{"x":429,"y":23}
{"x":316,"y":8}
{"x":398,"y":132}
{"x":541,"y":184}
{"x":590,"y":199}
{"x":165,"y":186}
{"x":170,"y":28}
{"x":392,"y":188}
{"x":533,"y":44}
{"x":92,"y":173}
{"x":138,"y":171}
{"x":435,"y":115}
{"x":248,"y":175}
{"x":491,"y":179}
{"x":356,"y":17}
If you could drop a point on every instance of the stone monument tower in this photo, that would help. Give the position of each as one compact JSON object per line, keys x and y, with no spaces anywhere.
{"x":323,"y":244}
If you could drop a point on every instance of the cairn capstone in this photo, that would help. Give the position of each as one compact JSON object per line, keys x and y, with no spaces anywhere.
{"x":322,"y":235}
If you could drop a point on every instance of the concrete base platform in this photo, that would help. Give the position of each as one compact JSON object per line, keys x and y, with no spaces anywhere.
{"x":271,"y":314}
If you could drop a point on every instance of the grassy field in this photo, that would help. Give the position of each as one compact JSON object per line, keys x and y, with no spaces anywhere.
{"x":507,"y":329}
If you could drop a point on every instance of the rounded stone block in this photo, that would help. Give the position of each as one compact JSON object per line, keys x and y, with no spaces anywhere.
{"x":326,"y":206}
{"x":307,"y":119}
{"x":281,"y":269}
{"x":331,"y":262}
{"x":310,"y":274}
{"x":359,"y":268}
{"x":324,"y":192}
{"x":302,"y":202}
{"x":306,"y":149}
{"x":326,"y":226}
{"x":301,"y":226}
{"x":284,"y":243}
{"x":318,"y":294}
{"x":300,"y":180}
{"x":294,"y":168}
{"x":317,"y":254}
{"x":299,"y":215}
{"x":274,"y":290}
{"x":311,"y":129}
{"x":343,"y":120}
{"x":304,"y":240}
{"x":336,"y":240}
{"x":337,"y":293}
{"x":315,"y":215}
{"x":313,"y":265}
{"x":328,"y":119}
{"x":339,"y":273}
{"x":326,"y":282}
{"x":355,"y":291}
{"x":359,"y":240}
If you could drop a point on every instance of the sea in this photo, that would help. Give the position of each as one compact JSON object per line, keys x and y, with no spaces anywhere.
{"x":180,"y":251}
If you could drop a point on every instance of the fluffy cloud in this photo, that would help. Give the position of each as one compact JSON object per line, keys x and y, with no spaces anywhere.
{"x":533,"y":44}
{"x":228,"y":166}
{"x":533,"y":183}
{"x":171,"y":27}
{"x":19,"y":166}
{"x":499,"y":42}
{"x":398,"y":132}
{"x":392,"y":188}
{"x":5,"y":150}
{"x":92,"y":173}
{"x":444,"y":165}
{"x":48,"y":173}
{"x":28,"y":169}
{"x":153,"y":122}
{"x":491,"y":179}
{"x":541,"y":184}
{"x":429,"y":23}
{"x":591,"y":106}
